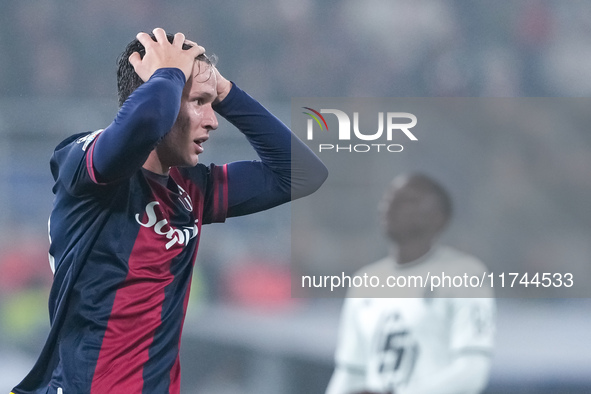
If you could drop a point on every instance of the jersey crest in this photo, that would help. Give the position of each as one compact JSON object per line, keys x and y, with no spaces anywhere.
{"x":185,"y":199}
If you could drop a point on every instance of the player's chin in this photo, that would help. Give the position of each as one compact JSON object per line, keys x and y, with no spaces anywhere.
{"x":192,"y":162}
{"x":189,"y":161}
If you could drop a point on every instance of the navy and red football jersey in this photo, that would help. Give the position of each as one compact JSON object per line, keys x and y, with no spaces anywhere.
{"x":128,"y":299}
{"x":123,"y":250}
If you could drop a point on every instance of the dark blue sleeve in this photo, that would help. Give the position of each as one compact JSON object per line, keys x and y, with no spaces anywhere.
{"x":145,"y":117}
{"x":287,"y":169}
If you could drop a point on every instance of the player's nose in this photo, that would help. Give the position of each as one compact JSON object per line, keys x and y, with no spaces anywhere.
{"x":210,"y":119}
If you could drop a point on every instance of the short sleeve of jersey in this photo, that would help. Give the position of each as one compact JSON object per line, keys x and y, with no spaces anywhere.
{"x":473,"y":327}
{"x":216,"y":199}
{"x":352,"y":350}
{"x":212,"y":183}
{"x":71,"y":163}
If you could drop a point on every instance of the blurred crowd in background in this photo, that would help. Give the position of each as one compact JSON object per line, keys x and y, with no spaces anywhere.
{"x":284,"y":49}
{"x":57,"y":62}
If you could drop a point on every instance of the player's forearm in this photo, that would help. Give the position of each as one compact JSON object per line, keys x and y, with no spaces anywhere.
{"x":142,"y":121}
{"x":345,"y":382}
{"x":297,"y":170}
{"x":466,"y":375}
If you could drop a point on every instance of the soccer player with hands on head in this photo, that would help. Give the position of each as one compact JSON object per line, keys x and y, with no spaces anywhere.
{"x":129,"y":204}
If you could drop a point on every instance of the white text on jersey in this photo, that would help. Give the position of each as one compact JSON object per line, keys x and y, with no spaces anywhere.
{"x":162,"y":227}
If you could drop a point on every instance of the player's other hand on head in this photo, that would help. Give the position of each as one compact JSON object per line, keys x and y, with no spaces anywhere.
{"x":223,"y":86}
{"x":162,"y":54}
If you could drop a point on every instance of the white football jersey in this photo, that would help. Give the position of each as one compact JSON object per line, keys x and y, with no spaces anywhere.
{"x":395,"y":344}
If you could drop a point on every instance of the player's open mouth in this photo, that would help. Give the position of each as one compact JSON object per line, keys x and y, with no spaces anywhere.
{"x":199,"y":142}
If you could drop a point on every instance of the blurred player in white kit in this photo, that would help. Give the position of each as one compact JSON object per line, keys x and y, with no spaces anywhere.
{"x":401,"y":345}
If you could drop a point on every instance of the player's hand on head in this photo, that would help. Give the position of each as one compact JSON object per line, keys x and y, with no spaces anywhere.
{"x":163,"y":54}
{"x":223,"y":86}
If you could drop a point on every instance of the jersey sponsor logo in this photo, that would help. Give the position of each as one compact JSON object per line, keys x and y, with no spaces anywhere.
{"x":87,"y":139}
{"x":154,"y":218}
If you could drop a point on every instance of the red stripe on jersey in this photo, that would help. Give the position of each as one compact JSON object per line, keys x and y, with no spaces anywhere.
{"x":220,"y":185}
{"x":175,"y":373}
{"x":135,"y":316}
{"x":225,"y":188}
{"x":89,"y":165}
{"x":89,"y":159}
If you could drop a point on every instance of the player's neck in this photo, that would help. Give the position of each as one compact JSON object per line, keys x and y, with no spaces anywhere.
{"x":155,"y":165}
{"x":411,"y":250}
